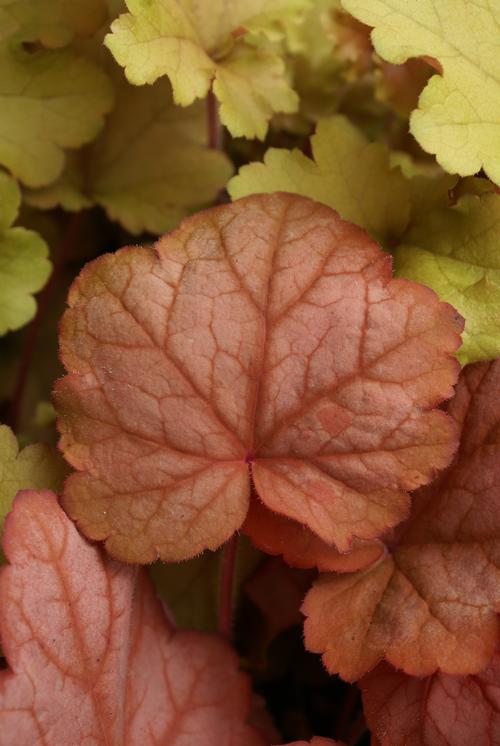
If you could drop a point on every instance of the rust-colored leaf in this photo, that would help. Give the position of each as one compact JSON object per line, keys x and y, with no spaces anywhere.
{"x":316,"y":741}
{"x":432,"y":602}
{"x":93,"y":659}
{"x":263,"y":337}
{"x":439,"y":710}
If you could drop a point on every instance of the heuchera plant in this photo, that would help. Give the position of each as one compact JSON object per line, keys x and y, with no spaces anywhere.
{"x":250,"y":463}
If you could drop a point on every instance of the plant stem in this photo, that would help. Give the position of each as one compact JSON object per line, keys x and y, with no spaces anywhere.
{"x":213,"y":121}
{"x":60,"y":256}
{"x":227,"y":587}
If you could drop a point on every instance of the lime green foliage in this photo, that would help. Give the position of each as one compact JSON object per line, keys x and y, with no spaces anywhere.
{"x":226,"y":42}
{"x":35,"y":467}
{"x":53,"y":22}
{"x":458,"y":117}
{"x":148,"y":168}
{"x":50,"y":100}
{"x":348,"y":173}
{"x":24,"y":267}
{"x":456,"y":251}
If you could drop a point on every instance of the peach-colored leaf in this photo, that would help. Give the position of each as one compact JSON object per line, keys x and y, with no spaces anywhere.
{"x":300,"y":547}
{"x":439,"y":710}
{"x":93,"y":659}
{"x":264,"y":338}
{"x":432,"y":602}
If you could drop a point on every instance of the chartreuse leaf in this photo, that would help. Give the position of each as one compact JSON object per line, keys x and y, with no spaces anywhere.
{"x":92,"y":657}
{"x":149,"y":166}
{"x":50,"y":100}
{"x":194,"y":45}
{"x":458,"y":116}
{"x":24,"y":266}
{"x":432,"y":602}
{"x":456,"y":251}
{"x":404,"y":710}
{"x":53,"y":22}
{"x":35,"y":467}
{"x":347,"y":173}
{"x":267,"y":334}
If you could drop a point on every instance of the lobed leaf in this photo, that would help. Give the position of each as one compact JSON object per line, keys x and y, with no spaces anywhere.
{"x":263,"y":339}
{"x":431,"y":603}
{"x":24,"y":266}
{"x":458,"y":116}
{"x":92,"y":655}
{"x":347,"y":172}
{"x":440,"y":710}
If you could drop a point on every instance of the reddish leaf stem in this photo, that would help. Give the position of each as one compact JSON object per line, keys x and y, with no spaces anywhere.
{"x":226,"y":587}
{"x":60,"y":256}
{"x":213,"y":121}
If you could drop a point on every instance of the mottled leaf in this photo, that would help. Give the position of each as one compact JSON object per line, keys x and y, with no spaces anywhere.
{"x":347,"y":173}
{"x":458,"y":115}
{"x":432,"y":602}
{"x":91,"y":654}
{"x":440,"y":710}
{"x":265,"y":339}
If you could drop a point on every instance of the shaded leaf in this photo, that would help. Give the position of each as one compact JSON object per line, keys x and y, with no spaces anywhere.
{"x":50,"y":100}
{"x":348,"y":173}
{"x":456,"y":252}
{"x":432,"y":602}
{"x":267,"y":337}
{"x":440,"y":710}
{"x":92,"y":654}
{"x":52,"y":22}
{"x":458,"y":115}
{"x":24,"y":266}
{"x":317,"y":741}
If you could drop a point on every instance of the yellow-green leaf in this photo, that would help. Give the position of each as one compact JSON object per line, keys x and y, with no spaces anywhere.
{"x":456,"y":251}
{"x":49,"y":100}
{"x":348,"y":173}
{"x":24,"y":267}
{"x":149,"y":167}
{"x":53,"y":22}
{"x":197,"y":44}
{"x":458,"y":117}
{"x":36,"y":467}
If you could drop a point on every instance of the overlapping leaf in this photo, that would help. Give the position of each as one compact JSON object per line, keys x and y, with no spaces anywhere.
{"x":348,"y":173}
{"x":50,"y":100}
{"x":263,"y":338}
{"x":194,"y":45}
{"x":456,"y":251}
{"x":316,"y":741}
{"x":148,"y":168}
{"x":24,"y":266}
{"x":53,"y":22}
{"x":441,"y":710}
{"x":458,"y":118}
{"x":92,"y":655}
{"x":432,"y":602}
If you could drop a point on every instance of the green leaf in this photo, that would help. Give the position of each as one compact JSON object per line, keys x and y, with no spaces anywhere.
{"x":53,"y":22}
{"x":458,"y":116}
{"x":149,"y":167}
{"x":456,"y":251}
{"x":50,"y":100}
{"x":35,"y":467}
{"x":348,"y":173}
{"x":197,"y":44}
{"x":24,"y":267}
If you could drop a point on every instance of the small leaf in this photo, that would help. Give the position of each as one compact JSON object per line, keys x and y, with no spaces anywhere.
{"x":149,"y":167}
{"x":439,"y":710}
{"x":52,"y":22}
{"x":348,"y":173}
{"x":458,"y":117}
{"x":456,"y":252}
{"x":432,"y":602}
{"x":92,"y":655}
{"x":317,"y":741}
{"x":262,"y":339}
{"x":194,"y":45}
{"x":50,"y":100}
{"x":24,"y":266}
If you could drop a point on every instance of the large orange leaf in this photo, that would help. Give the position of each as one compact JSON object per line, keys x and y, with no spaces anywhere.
{"x":93,"y":659}
{"x":266,"y":339}
{"x":439,"y":710}
{"x":431,"y":603}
